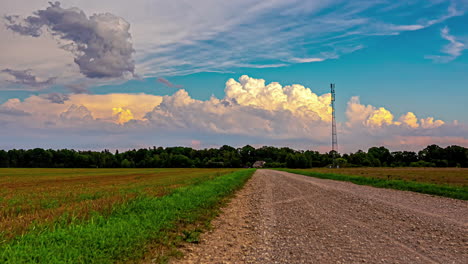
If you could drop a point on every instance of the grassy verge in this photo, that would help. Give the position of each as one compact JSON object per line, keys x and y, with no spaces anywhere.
{"x":124,"y":234}
{"x":428,"y":188}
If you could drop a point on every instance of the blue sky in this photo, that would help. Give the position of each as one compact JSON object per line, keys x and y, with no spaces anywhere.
{"x":403,"y":56}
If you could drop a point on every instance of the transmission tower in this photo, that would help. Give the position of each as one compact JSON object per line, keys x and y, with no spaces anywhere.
{"x":334,"y":136}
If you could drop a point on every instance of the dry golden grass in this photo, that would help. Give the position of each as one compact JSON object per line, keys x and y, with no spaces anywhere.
{"x":31,"y":197}
{"x":451,"y":176}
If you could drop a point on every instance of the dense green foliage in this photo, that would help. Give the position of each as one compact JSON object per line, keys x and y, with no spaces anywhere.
{"x":123,"y":235}
{"x":435,"y":189}
{"x":229,"y":157}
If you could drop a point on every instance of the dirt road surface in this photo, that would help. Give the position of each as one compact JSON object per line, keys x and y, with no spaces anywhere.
{"x":281,"y":217}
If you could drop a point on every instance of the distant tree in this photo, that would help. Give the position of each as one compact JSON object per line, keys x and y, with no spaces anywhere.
{"x":180,"y":161}
{"x":359,"y":158}
{"x":297,"y":160}
{"x":274,"y":165}
{"x":126,"y":164}
{"x":422,"y":163}
{"x":434,"y":154}
{"x":247,"y":154}
{"x":315,"y":159}
{"x":382,"y":154}
{"x":456,"y":156}
{"x":290,"y":161}
{"x":403,"y":158}
{"x":4,"y":162}
{"x":341,"y":162}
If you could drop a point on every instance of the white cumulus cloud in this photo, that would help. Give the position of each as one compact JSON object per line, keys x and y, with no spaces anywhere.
{"x":373,"y":117}
{"x":251,"y":112}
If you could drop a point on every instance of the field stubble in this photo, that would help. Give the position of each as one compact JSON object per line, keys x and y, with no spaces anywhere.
{"x":31,"y":198}
{"x":144,"y":225}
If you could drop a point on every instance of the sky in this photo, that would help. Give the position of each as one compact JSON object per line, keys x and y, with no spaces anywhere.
{"x":96,"y":75}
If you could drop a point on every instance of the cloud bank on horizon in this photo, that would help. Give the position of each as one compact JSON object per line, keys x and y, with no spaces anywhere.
{"x":252,"y":110}
{"x":72,"y":46}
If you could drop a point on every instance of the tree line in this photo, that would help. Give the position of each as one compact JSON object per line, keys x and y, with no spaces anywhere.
{"x":229,"y":157}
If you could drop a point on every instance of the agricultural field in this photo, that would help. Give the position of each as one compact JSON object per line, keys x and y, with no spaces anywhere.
{"x":39,"y":206}
{"x":449,"y":182}
{"x":451,"y":176}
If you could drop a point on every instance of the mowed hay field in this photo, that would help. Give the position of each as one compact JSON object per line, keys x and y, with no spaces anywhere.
{"x":38,"y":203}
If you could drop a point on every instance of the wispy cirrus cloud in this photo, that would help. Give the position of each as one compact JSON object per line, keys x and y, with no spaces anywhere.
{"x":453,"y":49}
{"x":291,"y":32}
{"x":307,"y":60}
{"x":180,"y":37}
{"x":168,"y":83}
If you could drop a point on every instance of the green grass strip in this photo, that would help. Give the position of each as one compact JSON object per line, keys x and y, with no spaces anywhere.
{"x":427,"y":188}
{"x":123,"y":235}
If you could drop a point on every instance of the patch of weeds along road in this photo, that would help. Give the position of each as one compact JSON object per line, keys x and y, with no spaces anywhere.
{"x":124,"y":234}
{"x":427,"y":188}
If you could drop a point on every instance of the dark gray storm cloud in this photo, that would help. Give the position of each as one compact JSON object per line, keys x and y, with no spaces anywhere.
{"x":25,"y":77}
{"x":100,"y":43}
{"x":168,"y":83}
{"x":57,"y":98}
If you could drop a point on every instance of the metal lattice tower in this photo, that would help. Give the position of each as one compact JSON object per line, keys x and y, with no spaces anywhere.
{"x":334,"y":136}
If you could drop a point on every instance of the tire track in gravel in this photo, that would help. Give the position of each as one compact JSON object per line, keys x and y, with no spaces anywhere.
{"x":280,"y":217}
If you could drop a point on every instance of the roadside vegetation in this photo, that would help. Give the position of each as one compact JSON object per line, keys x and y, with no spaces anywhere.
{"x":104,"y":216}
{"x":448,"y":182}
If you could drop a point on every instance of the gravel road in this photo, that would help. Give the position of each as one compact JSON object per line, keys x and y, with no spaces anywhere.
{"x":281,"y":217}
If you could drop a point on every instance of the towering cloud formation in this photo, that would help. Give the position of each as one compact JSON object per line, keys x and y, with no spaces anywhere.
{"x":251,"y":108}
{"x":379,"y":117}
{"x":122,"y":115}
{"x":429,"y":122}
{"x":409,"y":119}
{"x":77,"y":113}
{"x":109,"y":108}
{"x":297,"y":99}
{"x":373,"y":117}
{"x":101,"y":43}
{"x":289,"y":115}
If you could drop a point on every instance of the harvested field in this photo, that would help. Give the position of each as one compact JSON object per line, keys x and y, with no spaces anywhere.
{"x":451,"y":176}
{"x":32,"y":197}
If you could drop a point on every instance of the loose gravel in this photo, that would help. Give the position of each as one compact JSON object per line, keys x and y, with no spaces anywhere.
{"x":280,"y":217}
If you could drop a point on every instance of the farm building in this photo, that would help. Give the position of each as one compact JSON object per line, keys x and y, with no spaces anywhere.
{"x":259,"y":164}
